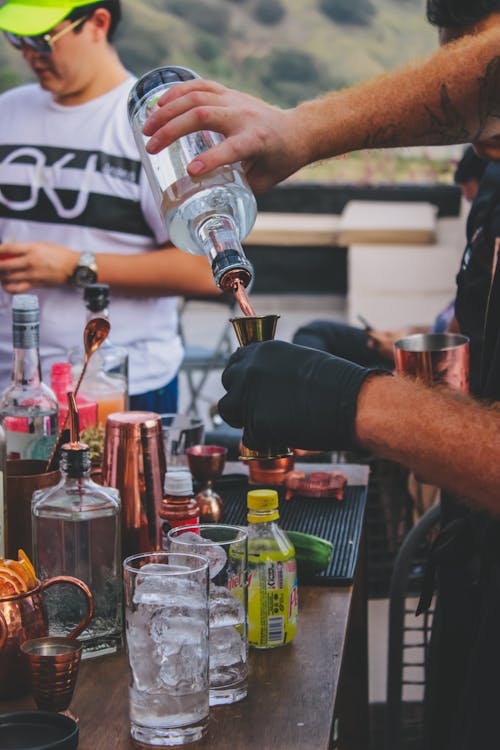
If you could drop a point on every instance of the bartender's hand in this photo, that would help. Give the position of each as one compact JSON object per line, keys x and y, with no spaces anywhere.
{"x":284,"y":394}
{"x":28,"y":265}
{"x":270,"y":142}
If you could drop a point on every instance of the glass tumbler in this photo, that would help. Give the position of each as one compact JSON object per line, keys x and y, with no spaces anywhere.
{"x":166,"y":609}
{"x":226,"y":548}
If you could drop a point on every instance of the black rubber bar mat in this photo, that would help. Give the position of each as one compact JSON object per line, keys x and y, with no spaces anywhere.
{"x":338,"y":521}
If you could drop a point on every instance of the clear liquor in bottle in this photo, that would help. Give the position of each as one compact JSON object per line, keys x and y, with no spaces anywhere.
{"x":106,"y":379}
{"x":208,"y":215}
{"x":76,"y":532}
{"x":28,"y":407}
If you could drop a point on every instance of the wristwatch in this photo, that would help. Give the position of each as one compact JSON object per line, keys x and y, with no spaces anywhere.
{"x":85,"y":271}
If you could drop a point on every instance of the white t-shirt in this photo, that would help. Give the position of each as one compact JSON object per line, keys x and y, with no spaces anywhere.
{"x":72,"y":175}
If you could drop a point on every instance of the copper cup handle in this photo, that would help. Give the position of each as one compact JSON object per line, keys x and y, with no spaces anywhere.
{"x":90,"y":600}
{"x":4,"y":631}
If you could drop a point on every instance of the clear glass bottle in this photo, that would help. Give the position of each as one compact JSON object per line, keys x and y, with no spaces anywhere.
{"x":272,"y":574}
{"x":28,"y":407}
{"x":178,"y":508}
{"x":76,"y":532}
{"x":206,"y":215}
{"x":3,"y":495}
{"x":106,"y":379}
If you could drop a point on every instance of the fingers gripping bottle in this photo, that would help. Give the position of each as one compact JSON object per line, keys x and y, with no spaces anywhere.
{"x":272,"y":575}
{"x":207,"y":215}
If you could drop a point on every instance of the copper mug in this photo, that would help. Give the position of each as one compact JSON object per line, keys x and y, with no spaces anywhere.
{"x":22,"y":617}
{"x":434,"y":359}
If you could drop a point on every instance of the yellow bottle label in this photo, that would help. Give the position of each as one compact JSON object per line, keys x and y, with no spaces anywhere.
{"x":272,"y":600}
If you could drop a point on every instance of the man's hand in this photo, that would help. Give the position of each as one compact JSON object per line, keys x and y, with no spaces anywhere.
{"x":284,"y":394}
{"x":269,"y":141}
{"x":29,"y":265}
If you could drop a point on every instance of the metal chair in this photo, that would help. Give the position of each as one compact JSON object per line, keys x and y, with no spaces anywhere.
{"x":200,"y":361}
{"x":408,"y":638}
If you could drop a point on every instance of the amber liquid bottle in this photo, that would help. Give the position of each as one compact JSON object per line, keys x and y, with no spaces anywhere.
{"x":179,"y":508}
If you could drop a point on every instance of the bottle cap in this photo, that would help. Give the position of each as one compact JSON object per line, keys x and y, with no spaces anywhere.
{"x":25,"y":308}
{"x":96,"y":297}
{"x":178,"y":483}
{"x":262,"y":500}
{"x":61,"y":379}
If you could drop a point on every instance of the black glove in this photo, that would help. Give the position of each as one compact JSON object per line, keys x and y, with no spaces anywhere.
{"x":284,"y":394}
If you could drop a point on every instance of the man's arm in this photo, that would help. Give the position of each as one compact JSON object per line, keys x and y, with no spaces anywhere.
{"x":444,"y":438}
{"x":162,"y":272}
{"x":284,"y":394}
{"x":451,"y":97}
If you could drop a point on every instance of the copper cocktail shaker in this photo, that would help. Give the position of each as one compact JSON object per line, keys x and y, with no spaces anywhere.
{"x":134,"y":463}
{"x":434,"y":358}
{"x":248,"y":330}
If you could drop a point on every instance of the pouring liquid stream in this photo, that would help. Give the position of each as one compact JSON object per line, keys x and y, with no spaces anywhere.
{"x":241,"y":297}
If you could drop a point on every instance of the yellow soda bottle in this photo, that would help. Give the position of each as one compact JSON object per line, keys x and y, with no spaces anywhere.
{"x":272,"y":574}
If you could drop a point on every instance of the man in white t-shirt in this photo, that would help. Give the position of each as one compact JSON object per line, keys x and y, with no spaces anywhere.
{"x":75,"y":205}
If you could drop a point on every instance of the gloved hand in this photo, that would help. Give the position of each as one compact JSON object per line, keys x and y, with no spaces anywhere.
{"x":284,"y":394}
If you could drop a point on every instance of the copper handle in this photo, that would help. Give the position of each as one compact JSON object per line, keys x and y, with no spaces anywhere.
{"x":4,"y":631}
{"x":90,"y":600}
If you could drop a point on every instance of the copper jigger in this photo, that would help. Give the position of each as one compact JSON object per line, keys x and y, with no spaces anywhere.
{"x":249,"y":330}
{"x":206,"y":463}
{"x":134,"y":463}
{"x":434,"y":358}
{"x":53,"y":666}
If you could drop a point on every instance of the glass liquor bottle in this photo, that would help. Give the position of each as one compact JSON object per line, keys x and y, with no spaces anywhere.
{"x":76,"y":532}
{"x":106,"y":379}
{"x":272,"y":574}
{"x":28,"y":407}
{"x":207,"y":215}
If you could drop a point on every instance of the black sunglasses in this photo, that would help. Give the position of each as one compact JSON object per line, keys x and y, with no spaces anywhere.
{"x":42,"y":43}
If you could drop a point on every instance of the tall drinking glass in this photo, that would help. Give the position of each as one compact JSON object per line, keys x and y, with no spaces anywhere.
{"x":166,"y":608}
{"x":226,"y":548}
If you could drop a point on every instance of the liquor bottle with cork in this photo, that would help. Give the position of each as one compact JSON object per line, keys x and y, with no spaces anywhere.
{"x":272,"y":574}
{"x":106,"y":379}
{"x":209,"y":215}
{"x":76,"y":532}
{"x":178,"y":508}
{"x":28,"y":407}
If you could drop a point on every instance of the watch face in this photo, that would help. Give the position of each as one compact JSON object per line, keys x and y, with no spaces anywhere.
{"x":84,"y":275}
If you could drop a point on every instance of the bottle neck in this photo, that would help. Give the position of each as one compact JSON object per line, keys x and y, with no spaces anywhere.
{"x":26,"y":367}
{"x":104,"y":313}
{"x":75,"y":464}
{"x":219,"y":238}
{"x":262,"y":516}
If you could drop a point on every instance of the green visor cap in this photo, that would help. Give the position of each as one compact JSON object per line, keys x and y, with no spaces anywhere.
{"x":32,"y":17}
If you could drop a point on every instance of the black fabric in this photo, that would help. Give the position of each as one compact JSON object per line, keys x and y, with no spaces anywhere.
{"x":463,"y":684}
{"x":286,"y":394}
{"x":341,"y":340}
{"x":474,"y":277}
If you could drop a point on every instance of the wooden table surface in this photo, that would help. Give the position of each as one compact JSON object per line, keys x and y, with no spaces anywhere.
{"x":291,"y":696}
{"x":294,"y":693}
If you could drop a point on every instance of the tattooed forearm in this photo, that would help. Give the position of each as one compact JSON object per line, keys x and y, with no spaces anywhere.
{"x":448,"y":125}
{"x":384,"y":137}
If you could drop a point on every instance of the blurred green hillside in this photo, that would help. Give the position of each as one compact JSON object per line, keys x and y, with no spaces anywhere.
{"x":283,"y":50}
